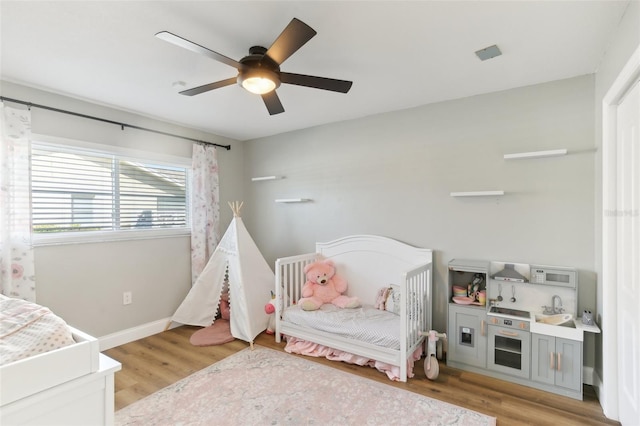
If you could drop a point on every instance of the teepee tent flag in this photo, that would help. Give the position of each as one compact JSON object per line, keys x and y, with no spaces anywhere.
{"x":250,"y":281}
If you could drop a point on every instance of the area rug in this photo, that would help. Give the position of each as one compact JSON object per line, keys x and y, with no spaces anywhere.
{"x":268,"y":387}
{"x":217,"y":334}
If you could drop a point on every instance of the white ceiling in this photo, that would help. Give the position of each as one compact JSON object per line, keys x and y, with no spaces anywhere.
{"x":398,"y":54}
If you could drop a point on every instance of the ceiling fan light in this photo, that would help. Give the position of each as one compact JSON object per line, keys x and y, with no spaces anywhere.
{"x":258,"y":85}
{"x":259,"y":81}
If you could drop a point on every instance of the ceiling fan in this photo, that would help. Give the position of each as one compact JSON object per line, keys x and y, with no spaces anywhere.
{"x":259,"y":72}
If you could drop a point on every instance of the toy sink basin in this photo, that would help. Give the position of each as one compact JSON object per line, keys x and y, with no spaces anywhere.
{"x":557,"y":319}
{"x":559,"y":325}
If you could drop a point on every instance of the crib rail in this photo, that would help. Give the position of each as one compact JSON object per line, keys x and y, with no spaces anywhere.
{"x":415,"y":310}
{"x":417,"y":293}
{"x":290,"y":278}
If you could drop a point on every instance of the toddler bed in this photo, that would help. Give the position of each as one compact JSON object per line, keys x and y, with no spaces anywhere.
{"x":390,"y":339}
{"x":51,"y":373}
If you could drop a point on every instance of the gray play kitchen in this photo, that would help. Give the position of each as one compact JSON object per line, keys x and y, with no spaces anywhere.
{"x":518,"y":322}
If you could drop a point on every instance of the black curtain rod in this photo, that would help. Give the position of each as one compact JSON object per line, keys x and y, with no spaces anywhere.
{"x":104,"y":120}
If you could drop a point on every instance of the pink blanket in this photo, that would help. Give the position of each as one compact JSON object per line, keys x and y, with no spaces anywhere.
{"x":304,"y":347}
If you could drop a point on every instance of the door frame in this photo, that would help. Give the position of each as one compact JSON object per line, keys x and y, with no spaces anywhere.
{"x":609,"y":392}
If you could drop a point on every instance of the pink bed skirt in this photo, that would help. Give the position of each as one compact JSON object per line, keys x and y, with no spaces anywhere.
{"x":304,"y":347}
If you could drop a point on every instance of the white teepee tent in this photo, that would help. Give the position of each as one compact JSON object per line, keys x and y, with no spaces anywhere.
{"x":250,"y":278}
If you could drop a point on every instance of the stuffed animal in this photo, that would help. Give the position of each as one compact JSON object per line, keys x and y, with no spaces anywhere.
{"x":270,"y":309}
{"x":324,"y":286}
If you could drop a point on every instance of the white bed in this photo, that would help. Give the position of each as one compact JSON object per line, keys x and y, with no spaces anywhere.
{"x":73,"y":384}
{"x":368,"y":263}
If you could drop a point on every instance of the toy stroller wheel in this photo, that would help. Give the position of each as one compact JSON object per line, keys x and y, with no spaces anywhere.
{"x":431,"y":368}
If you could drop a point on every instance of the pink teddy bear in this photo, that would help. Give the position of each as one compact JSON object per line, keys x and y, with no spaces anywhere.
{"x":324,"y":286}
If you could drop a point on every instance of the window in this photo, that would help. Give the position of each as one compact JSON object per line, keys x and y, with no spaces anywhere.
{"x":77,"y":191}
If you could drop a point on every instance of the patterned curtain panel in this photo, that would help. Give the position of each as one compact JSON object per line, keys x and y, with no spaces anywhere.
{"x":205,"y":207}
{"x":17,"y":270}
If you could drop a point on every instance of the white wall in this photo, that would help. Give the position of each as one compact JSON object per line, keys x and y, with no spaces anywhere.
{"x":391,"y":175}
{"x":83,"y":283}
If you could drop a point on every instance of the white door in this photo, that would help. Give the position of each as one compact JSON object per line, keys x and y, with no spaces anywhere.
{"x":628,"y":255}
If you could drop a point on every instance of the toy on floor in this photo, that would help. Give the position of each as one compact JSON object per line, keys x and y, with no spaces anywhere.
{"x":431,"y":366}
{"x":270,"y":309}
{"x":323,"y":285}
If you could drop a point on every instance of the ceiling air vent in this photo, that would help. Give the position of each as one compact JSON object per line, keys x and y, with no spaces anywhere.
{"x":488,"y":52}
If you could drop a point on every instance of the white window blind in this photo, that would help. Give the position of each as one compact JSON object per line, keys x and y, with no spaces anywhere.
{"x":77,"y":191}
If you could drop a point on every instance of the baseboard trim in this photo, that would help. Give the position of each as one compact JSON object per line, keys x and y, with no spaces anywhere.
{"x":597,"y":386}
{"x":587,"y":375}
{"x":135,"y":333}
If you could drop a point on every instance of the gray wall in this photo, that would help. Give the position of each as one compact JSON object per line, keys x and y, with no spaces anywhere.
{"x":391,"y":175}
{"x":83,"y":283}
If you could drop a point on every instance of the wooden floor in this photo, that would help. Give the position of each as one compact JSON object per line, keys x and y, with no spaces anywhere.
{"x":157,"y":361}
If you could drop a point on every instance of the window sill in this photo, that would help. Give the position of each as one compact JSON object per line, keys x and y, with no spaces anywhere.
{"x":104,"y":237}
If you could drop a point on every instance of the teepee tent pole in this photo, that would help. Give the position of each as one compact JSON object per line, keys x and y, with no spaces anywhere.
{"x":235,"y":207}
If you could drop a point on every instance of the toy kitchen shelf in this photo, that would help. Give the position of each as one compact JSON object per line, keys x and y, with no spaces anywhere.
{"x":467,"y":319}
{"x":467,"y":274}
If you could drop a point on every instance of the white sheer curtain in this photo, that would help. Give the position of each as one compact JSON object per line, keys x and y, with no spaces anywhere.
{"x":205,"y":207}
{"x":17,"y":269}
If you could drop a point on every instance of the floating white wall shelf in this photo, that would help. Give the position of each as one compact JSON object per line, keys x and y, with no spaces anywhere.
{"x":536,"y":154}
{"x":293,"y":200}
{"x":261,"y":178}
{"x":476,"y":193}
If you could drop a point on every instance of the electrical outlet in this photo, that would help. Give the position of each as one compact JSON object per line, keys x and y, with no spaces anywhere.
{"x":127,"y":298}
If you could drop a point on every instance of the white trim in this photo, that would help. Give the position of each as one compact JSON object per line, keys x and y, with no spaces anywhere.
{"x":135,"y":333}
{"x":536,"y":154}
{"x":54,"y":239}
{"x":597,"y":386}
{"x":476,"y":193}
{"x":625,"y":79}
{"x":608,"y":386}
{"x":587,"y":375}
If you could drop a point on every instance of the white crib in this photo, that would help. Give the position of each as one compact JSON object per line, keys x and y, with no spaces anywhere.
{"x":368,"y":263}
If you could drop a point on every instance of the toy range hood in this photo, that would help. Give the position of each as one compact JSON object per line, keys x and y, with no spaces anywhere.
{"x":510,"y":274}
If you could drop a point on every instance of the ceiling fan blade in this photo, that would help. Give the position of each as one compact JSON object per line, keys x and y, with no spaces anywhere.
{"x":292,"y":38}
{"x":323,"y":83}
{"x":194,"y":47}
{"x":272,"y":102}
{"x":210,"y":86}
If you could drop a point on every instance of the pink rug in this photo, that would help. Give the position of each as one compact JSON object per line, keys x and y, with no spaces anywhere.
{"x":267,"y":387}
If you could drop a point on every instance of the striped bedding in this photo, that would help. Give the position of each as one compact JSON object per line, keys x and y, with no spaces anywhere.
{"x":366,"y":324}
